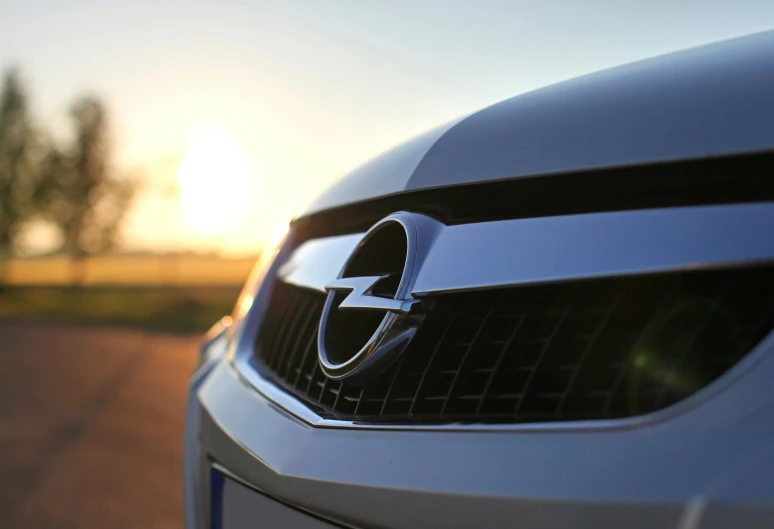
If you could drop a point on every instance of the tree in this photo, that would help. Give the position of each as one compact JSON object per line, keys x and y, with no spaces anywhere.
{"x":17,"y":167}
{"x":83,"y":195}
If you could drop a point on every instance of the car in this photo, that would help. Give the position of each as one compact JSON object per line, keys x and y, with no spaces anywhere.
{"x":554,"y":312}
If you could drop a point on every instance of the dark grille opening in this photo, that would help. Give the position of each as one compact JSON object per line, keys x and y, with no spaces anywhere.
{"x":574,"y":351}
{"x":734,"y":179}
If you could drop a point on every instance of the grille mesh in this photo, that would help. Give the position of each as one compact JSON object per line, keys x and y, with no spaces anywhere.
{"x":574,"y":351}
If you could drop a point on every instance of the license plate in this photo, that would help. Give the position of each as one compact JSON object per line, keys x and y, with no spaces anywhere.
{"x":235,"y":506}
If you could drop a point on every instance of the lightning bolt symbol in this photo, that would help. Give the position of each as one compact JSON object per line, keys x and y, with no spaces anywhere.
{"x":360,"y":297}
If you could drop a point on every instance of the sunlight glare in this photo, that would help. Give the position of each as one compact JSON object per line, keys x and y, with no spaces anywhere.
{"x":215,"y":181}
{"x":278,"y":234}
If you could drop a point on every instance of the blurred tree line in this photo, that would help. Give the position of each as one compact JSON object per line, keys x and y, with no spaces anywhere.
{"x":71,"y":186}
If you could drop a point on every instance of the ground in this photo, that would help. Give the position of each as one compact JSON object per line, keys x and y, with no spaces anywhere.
{"x":176,"y":309}
{"x":91,"y":426}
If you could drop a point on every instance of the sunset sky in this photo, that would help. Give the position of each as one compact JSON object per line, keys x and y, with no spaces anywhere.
{"x":237,"y":113}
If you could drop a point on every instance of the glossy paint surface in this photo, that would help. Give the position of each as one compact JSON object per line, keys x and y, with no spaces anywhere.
{"x":705,"y":102}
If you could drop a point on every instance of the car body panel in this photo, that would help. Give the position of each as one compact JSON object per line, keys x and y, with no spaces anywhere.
{"x":384,"y":175}
{"x":710,"y":101}
{"x":716,"y":453}
{"x":704,"y":462}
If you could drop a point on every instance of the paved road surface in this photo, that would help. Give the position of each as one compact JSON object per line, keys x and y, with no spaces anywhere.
{"x":91,"y":426}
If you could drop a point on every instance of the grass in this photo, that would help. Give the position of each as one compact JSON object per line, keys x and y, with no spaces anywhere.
{"x":171,"y":309}
{"x":165,"y":270}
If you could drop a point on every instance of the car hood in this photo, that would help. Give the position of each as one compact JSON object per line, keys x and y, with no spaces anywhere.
{"x":715,"y":100}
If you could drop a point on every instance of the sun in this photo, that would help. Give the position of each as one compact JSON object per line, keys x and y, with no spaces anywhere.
{"x":216,"y":182}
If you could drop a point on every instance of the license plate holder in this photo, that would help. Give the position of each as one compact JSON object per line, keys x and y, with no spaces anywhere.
{"x":237,"y":506}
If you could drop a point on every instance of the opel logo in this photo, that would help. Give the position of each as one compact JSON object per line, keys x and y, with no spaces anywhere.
{"x":370,"y":315}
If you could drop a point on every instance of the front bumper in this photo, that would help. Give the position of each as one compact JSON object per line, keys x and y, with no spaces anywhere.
{"x":711,"y":465}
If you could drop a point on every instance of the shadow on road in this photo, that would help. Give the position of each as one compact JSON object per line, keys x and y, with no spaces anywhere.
{"x":91,"y":427}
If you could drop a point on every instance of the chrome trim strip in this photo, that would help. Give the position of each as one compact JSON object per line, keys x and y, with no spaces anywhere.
{"x":317,"y":262}
{"x":528,"y":251}
{"x":619,"y":243}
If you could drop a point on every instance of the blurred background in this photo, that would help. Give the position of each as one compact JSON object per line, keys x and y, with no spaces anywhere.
{"x":150,"y":149}
{"x":153,"y":146}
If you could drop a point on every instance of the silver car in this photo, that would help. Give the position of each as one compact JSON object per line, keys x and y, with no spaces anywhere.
{"x":552,"y":313}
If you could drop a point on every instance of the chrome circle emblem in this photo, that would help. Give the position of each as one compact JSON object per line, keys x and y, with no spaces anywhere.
{"x":370,"y":315}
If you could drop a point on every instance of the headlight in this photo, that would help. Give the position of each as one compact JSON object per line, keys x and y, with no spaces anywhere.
{"x":219,"y":339}
{"x":254,"y":281}
{"x":215,"y":342}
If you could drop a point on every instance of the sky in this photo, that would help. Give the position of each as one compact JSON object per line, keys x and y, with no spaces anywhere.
{"x":235,"y":114}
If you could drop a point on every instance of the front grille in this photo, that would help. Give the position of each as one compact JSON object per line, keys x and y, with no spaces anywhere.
{"x":587,"y":350}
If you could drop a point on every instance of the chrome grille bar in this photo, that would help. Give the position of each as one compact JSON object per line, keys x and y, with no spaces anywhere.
{"x":528,"y":251}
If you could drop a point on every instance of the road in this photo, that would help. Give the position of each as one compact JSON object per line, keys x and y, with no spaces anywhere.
{"x":91,"y":427}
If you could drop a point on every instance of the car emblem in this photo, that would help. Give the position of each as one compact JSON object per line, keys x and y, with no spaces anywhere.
{"x":370,"y":315}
